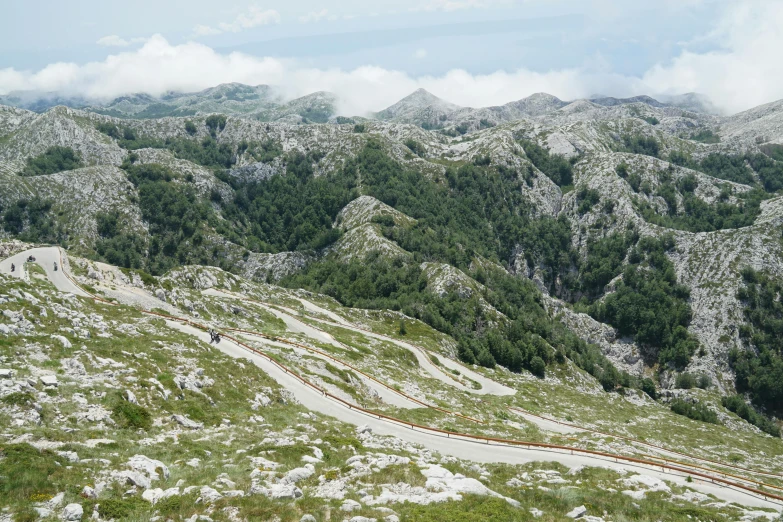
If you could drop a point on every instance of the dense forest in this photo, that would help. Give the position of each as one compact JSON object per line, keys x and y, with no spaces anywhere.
{"x":759,"y":366}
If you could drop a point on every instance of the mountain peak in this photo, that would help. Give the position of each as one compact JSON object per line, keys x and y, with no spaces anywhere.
{"x":417,"y":102}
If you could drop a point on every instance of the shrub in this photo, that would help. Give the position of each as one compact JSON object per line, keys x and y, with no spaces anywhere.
{"x":587,"y":199}
{"x":190,"y":128}
{"x":538,"y":367}
{"x":482,"y":161}
{"x":554,"y":166}
{"x":648,"y":387}
{"x":215,"y":122}
{"x":415,"y":147}
{"x":109,"y":129}
{"x":705,"y":136}
{"x":18,"y":399}
{"x":737,"y":404}
{"x":638,"y":144}
{"x":697,"y":412}
{"x":55,"y":159}
{"x":131,"y":416}
{"x":685,"y":381}
{"x":117,"y":508}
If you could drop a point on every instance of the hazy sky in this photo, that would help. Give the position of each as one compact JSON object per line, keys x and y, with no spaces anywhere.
{"x":471,"y":52}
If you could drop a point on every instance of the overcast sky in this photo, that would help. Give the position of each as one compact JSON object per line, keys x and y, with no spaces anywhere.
{"x":371,"y":53}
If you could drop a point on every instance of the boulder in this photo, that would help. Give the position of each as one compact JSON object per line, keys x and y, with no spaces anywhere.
{"x":151,"y":467}
{"x":65,"y":342}
{"x":131,"y":397}
{"x":207,"y":495}
{"x":72,"y":512}
{"x":134,"y":478}
{"x":297,"y":474}
{"x":48,"y":380}
{"x":578,"y":512}
{"x":350,"y":505}
{"x":6,"y":374}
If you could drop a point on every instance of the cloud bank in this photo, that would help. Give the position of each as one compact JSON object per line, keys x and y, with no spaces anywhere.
{"x":743,"y":71}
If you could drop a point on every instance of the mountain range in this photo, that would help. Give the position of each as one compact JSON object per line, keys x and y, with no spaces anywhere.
{"x":608,"y":264}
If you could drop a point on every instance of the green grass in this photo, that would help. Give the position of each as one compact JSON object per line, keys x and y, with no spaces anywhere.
{"x":28,"y":474}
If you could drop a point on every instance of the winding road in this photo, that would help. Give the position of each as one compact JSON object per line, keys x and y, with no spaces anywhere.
{"x":458,"y":445}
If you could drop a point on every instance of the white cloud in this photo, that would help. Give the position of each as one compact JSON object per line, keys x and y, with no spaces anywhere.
{"x":113,"y":41}
{"x":205,"y":30}
{"x":158,"y":67}
{"x":254,"y":17}
{"x":745,"y":71}
{"x":314,"y":16}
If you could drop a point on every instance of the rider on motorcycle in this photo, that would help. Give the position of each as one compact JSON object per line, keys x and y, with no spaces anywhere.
{"x":55,"y":266}
{"x":13,"y":267}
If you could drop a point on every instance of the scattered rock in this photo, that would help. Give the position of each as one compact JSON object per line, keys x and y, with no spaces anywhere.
{"x":131,"y":397}
{"x":187,"y":423}
{"x":297,"y":474}
{"x":153,"y":496}
{"x":65,"y":342}
{"x":207,"y":495}
{"x":350,"y":505}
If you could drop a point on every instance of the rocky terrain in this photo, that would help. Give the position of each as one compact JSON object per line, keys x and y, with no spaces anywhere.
{"x":129,"y":416}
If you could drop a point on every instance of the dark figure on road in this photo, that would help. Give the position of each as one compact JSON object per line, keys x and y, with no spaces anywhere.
{"x":214,"y":337}
{"x":55,"y":266}
{"x":13,"y":267}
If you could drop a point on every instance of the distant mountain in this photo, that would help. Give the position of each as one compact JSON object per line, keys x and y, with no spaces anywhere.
{"x":37,"y":101}
{"x":608,"y":101}
{"x":265,"y":103}
{"x":693,"y":102}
